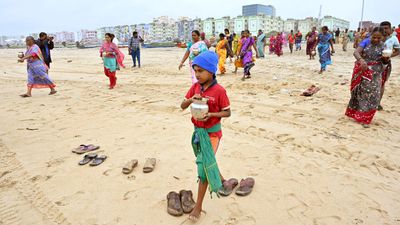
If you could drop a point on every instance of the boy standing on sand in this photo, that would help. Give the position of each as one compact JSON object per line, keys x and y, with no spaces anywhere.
{"x":207,"y":134}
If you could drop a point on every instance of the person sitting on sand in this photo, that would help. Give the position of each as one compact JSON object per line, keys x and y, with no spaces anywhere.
{"x":37,"y":69}
{"x":207,"y":134}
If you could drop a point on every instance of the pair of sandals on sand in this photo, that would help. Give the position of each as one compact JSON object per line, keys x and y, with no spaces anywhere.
{"x":180,"y":203}
{"x":245,"y":187}
{"x":148,"y":167}
{"x":91,"y":158}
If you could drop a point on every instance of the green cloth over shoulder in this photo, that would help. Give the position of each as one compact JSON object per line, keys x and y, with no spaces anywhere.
{"x":207,"y":167}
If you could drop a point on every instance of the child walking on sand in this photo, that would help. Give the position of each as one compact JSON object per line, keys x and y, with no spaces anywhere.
{"x":207,"y":134}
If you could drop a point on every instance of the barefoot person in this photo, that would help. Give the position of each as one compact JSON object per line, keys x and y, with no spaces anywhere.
{"x":194,"y":48}
{"x":222,"y":50}
{"x":311,"y":38}
{"x":37,"y":69}
{"x":246,"y":54}
{"x":325,"y":43}
{"x":298,"y":37}
{"x":207,"y":134}
{"x":291,"y":39}
{"x":238,"y":61}
{"x":261,"y":43}
{"x":366,"y":81}
{"x":112,"y":58}
{"x":392,"y":44}
{"x":278,"y":44}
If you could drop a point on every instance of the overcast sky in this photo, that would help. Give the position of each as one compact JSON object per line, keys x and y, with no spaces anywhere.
{"x":19,"y":17}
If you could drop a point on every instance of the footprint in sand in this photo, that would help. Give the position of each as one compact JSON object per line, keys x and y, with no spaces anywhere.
{"x":285,"y":138}
{"x":107,"y":172}
{"x":55,"y":162}
{"x":129,"y":194}
{"x":327,"y":220}
{"x":296,"y":207}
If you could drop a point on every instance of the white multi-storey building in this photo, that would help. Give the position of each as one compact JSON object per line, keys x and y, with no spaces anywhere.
{"x":87,"y":35}
{"x":209,"y":27}
{"x":334,"y":23}
{"x":307,"y":24}
{"x":221,"y":24}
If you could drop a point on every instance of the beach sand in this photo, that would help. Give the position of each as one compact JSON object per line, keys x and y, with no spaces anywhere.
{"x":312,"y":164}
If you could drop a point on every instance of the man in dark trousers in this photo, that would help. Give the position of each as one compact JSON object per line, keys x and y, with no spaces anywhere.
{"x":45,"y":44}
{"x":337,"y":34}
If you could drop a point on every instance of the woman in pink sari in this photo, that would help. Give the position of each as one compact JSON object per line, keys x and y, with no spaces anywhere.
{"x":112,"y":59}
{"x":278,"y":44}
{"x":37,"y":69}
{"x":194,"y":48}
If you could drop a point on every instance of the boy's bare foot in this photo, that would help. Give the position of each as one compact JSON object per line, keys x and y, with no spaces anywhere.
{"x":194,"y":216}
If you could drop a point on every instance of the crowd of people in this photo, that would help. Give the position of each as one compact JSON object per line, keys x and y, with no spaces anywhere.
{"x":374,"y":48}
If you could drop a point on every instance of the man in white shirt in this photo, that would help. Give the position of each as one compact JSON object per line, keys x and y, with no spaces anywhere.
{"x":392,"y":43}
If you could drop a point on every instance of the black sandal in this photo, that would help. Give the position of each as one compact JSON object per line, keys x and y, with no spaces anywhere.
{"x":98,"y":160}
{"x":87,"y":158}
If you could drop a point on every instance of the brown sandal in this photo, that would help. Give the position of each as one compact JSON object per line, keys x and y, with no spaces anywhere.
{"x":129,"y":166}
{"x":228,"y":186}
{"x":187,"y":201}
{"x":245,"y":187}
{"x":149,"y":165}
{"x":174,"y":207}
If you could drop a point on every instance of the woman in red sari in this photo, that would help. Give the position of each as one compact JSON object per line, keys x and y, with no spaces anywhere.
{"x":312,"y":38}
{"x":366,"y":82}
{"x":112,"y":59}
{"x":271,"y":44}
{"x":278,"y":44}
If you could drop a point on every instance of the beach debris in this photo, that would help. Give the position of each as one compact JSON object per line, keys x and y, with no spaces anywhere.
{"x":311,"y":91}
{"x":31,"y":129}
{"x":69,"y":61}
{"x":176,"y":177}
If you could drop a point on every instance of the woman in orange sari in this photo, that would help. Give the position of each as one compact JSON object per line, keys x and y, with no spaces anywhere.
{"x":222,"y":50}
{"x":238,"y":61}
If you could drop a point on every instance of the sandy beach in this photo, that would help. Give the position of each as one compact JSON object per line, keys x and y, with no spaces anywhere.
{"x":312,"y":165}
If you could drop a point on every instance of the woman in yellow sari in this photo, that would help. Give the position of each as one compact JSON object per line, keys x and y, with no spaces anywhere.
{"x":238,"y":61}
{"x":222,"y":49}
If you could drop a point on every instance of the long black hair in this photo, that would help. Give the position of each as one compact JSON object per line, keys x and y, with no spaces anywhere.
{"x":112,"y":36}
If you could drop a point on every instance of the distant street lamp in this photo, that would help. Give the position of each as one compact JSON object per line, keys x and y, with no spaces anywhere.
{"x":362,"y":14}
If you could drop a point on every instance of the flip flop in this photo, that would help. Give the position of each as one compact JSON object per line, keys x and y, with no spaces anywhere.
{"x":174,"y":206}
{"x":86,"y":148}
{"x":98,"y":160}
{"x":245,"y":187}
{"x":129,"y":166}
{"x":87,"y":158}
{"x":52,"y":92}
{"x":228,"y":186}
{"x":25,"y":95}
{"x":149,"y":165}
{"x":187,"y":201}
{"x":80,"y":148}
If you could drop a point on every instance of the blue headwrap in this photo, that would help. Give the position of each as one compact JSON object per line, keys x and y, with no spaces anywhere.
{"x":207,"y":60}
